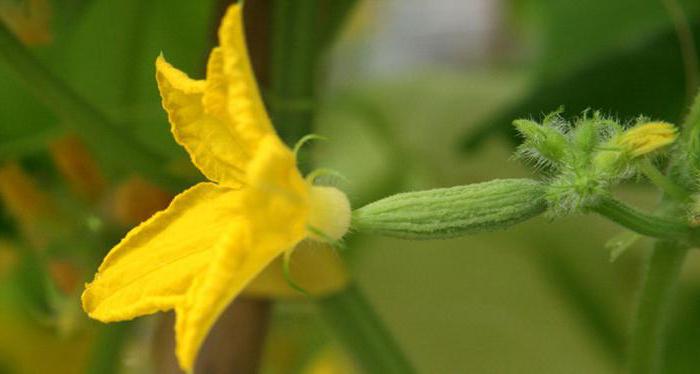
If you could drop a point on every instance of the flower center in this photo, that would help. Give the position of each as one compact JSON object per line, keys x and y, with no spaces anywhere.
{"x":329,"y":215}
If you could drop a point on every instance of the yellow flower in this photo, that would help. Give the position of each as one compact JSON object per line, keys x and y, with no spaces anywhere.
{"x":647,"y":137}
{"x":214,"y":238}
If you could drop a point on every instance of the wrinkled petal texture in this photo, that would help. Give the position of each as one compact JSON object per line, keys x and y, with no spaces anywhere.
{"x":274,"y":213}
{"x":220,"y":121}
{"x":152,"y":268}
{"x":214,"y":239}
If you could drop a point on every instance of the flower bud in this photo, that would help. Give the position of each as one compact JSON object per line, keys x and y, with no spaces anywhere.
{"x":646,"y":138}
{"x":455,"y":211}
{"x":541,"y":141}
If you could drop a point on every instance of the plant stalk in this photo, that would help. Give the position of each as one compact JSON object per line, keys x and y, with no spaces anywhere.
{"x":293,"y":68}
{"x":660,"y":277}
{"x":642,"y":223}
{"x":106,"y":354}
{"x":664,"y":183}
{"x":294,"y":65}
{"x":359,"y":328}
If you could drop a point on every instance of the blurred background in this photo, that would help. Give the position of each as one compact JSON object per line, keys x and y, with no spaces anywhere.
{"x":412,"y":95}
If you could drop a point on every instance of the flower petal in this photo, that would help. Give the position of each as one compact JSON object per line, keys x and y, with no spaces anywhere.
{"x":243,"y":103}
{"x":277,"y":196}
{"x":237,"y":260}
{"x":207,"y":139}
{"x":152,"y":268}
{"x":274,"y":211}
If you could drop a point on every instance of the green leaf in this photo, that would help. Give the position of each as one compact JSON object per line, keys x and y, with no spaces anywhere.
{"x":576,"y":33}
{"x":638,"y":78}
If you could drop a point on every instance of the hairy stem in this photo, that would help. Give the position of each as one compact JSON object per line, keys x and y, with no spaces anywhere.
{"x":660,"y":277}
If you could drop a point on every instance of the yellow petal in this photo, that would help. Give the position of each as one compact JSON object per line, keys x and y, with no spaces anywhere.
{"x":648,"y":137}
{"x":235,"y":261}
{"x":274,"y":212}
{"x":277,"y":193}
{"x":151,"y":269}
{"x":316,"y":267}
{"x":208,"y":140}
{"x":244,"y":105}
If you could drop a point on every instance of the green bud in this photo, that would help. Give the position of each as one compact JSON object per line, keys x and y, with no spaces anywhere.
{"x":586,"y":136}
{"x":450,"y":212}
{"x":541,"y":141}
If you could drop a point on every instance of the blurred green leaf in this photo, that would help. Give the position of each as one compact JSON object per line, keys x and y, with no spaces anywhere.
{"x":576,"y":33}
{"x":637,"y":79}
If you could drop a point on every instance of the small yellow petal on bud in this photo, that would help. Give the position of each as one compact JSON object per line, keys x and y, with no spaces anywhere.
{"x":329,"y":213}
{"x":647,"y":137}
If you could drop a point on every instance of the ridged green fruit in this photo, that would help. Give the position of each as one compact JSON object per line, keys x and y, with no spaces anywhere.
{"x":454,"y":211}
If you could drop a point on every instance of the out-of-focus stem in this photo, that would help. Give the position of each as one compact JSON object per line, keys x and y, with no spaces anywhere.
{"x":362,"y":332}
{"x":293,"y":67}
{"x":687,"y":44}
{"x":107,"y":350}
{"x":660,"y":277}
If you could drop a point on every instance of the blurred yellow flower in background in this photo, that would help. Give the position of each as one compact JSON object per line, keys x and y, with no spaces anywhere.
{"x":216,"y":237}
{"x":27,"y":203}
{"x":75,"y":162}
{"x":29,"y":20}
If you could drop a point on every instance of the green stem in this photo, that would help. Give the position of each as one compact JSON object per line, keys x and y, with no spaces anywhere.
{"x":656,"y":177}
{"x":294,"y":62}
{"x":687,"y":45}
{"x":660,"y":278}
{"x":363,"y":333}
{"x":107,"y":350}
{"x":116,"y":147}
{"x":292,"y":100}
{"x":135,"y":39}
{"x":642,"y":223}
